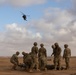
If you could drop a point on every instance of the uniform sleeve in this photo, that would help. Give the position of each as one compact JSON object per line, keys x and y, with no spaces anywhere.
{"x":60,"y":51}
{"x":53,"y":52}
{"x":32,"y":49}
{"x":64,"y":54}
{"x":17,"y":59}
{"x":37,"y":50}
{"x":45,"y":53}
{"x":70,"y":52}
{"x":39,"y":53}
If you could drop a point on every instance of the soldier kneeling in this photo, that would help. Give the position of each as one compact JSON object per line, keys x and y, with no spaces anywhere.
{"x":14,"y":60}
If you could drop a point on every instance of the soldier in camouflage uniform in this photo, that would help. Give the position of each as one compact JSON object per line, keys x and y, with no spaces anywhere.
{"x":57,"y":56}
{"x":42,"y":58}
{"x":14,"y":60}
{"x":34,"y":52}
{"x":24,"y":56}
{"x":53,"y":47}
{"x":53,"y":53}
{"x":28,"y":61}
{"x":67,"y":55}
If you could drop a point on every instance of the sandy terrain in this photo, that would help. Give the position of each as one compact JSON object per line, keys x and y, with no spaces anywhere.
{"x":5,"y":68}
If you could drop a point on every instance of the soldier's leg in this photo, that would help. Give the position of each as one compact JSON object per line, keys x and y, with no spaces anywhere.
{"x":67,"y":63}
{"x":40,"y":64}
{"x":37,"y":64}
{"x":55,"y":63}
{"x":34,"y":62}
{"x":45,"y":63}
{"x":27,"y":66}
{"x":31,"y":66}
{"x":14,"y":66}
{"x":59,"y":64}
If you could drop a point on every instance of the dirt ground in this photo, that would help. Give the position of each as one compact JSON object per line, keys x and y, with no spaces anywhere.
{"x":5,"y":68}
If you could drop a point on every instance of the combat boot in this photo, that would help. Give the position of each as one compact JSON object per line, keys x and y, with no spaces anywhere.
{"x":30,"y":71}
{"x":45,"y":69}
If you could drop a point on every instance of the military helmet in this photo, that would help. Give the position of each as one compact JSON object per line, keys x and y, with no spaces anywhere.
{"x":56,"y":44}
{"x":66,"y":45}
{"x":17,"y":53}
{"x":23,"y":53}
{"x":53,"y":46}
{"x":41,"y":44}
{"x":35,"y":43}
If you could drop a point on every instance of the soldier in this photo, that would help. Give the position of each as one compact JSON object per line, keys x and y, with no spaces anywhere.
{"x":67,"y":55}
{"x":24,"y":56}
{"x":42,"y":58}
{"x":28,"y":61}
{"x":57,"y":56}
{"x":53,"y":47}
{"x":34,"y":52}
{"x":14,"y":60}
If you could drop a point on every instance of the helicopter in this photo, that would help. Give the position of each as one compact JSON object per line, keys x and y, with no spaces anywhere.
{"x":24,"y":16}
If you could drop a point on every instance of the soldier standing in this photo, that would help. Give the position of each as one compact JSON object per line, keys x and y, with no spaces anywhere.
{"x":14,"y":60}
{"x":34,"y":53}
{"x":53,"y":53}
{"x":67,"y":55}
{"x":53,"y":47}
{"x":42,"y":58}
{"x":57,"y":56}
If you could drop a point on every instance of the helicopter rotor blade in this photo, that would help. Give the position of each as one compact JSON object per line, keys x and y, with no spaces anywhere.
{"x":22,"y":13}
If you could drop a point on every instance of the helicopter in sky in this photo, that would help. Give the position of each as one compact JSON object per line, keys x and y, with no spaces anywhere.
{"x":24,"y":16}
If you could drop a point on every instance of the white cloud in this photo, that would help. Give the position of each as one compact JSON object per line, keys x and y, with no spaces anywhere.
{"x":72,"y":9}
{"x":17,"y":38}
{"x":22,"y":2}
{"x":26,"y":2}
{"x":55,"y":26}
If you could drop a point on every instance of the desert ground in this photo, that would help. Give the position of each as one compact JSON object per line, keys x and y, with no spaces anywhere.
{"x":5,"y":68}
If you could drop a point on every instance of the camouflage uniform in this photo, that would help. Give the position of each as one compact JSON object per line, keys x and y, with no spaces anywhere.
{"x":42,"y":58}
{"x":14,"y":60}
{"x":34,"y":52}
{"x":53,"y":47}
{"x":28,"y":61}
{"x":24,"y":56}
{"x":57,"y":56}
{"x":67,"y":55}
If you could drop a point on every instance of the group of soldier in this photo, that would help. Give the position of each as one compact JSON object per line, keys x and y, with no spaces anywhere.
{"x":57,"y":55}
{"x":37,"y":58}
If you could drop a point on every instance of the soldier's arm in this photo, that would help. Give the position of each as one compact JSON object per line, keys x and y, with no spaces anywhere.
{"x":32,"y":49}
{"x":45,"y":53}
{"x":36,"y":50}
{"x":70,"y":52}
{"x":17,"y":60}
{"x":64,"y":54}
{"x":39,"y":53}
{"x":53,"y":52}
{"x":60,"y":50}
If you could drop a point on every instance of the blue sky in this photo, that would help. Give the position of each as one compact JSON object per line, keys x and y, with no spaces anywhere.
{"x":50,"y":21}
{"x":10,"y":14}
